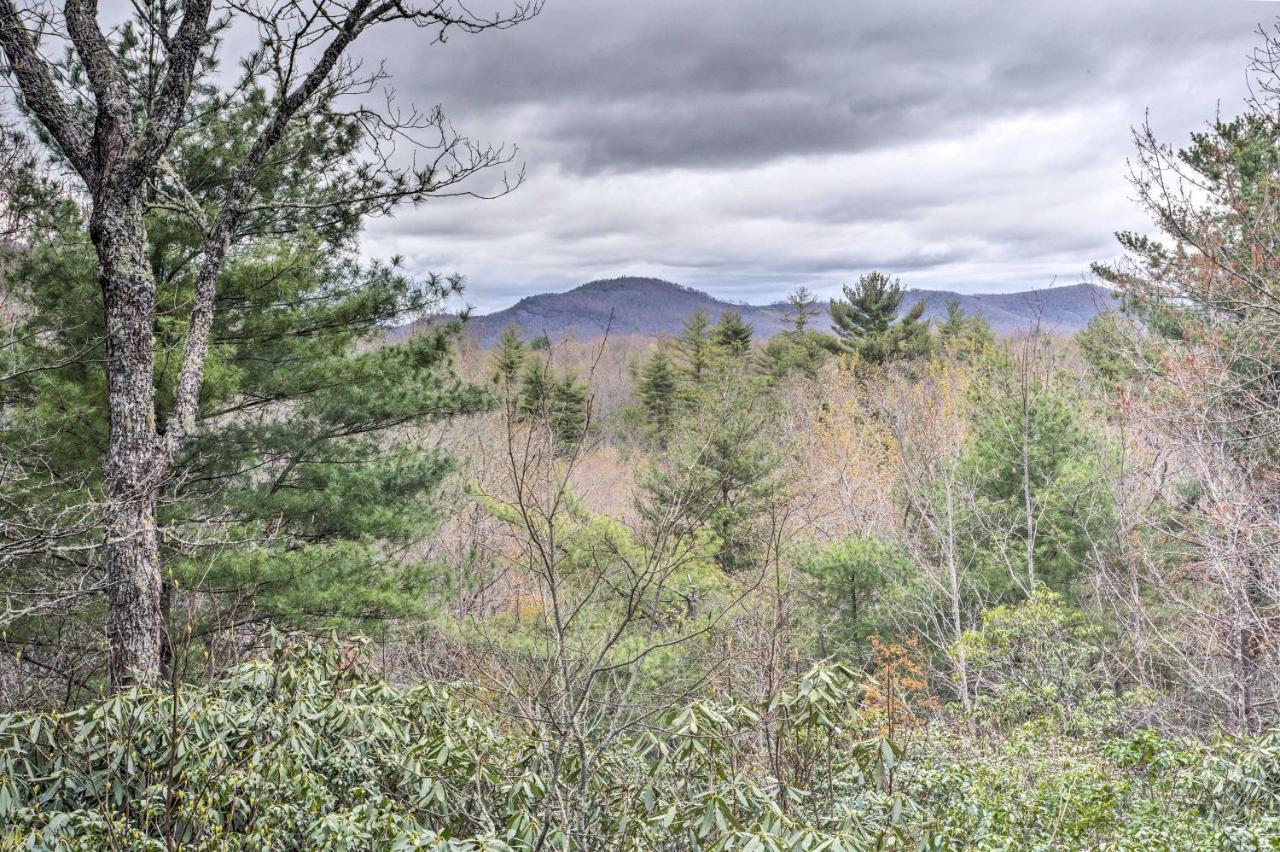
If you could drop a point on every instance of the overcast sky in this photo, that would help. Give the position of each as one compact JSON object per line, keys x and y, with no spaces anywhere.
{"x":746,"y":147}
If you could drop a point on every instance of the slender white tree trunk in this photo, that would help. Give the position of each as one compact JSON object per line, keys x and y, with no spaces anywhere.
{"x":953,"y":582}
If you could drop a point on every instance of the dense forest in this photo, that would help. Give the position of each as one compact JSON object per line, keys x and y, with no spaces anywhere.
{"x":275,"y":577}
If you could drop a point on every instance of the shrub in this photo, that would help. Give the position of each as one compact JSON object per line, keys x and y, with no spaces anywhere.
{"x":306,"y":750}
{"x":1035,"y":658}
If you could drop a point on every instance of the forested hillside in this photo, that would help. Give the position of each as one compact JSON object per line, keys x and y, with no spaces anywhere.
{"x":274,"y":576}
{"x":651,"y":307}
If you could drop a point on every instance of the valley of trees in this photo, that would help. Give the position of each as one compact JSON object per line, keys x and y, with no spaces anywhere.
{"x":270,"y":581}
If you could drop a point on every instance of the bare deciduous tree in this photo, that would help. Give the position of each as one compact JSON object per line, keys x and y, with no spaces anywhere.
{"x":1206,"y":364}
{"x":935,"y":492}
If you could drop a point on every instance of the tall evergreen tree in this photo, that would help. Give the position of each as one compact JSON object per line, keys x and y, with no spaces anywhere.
{"x":867,"y":323}
{"x":803,"y":351}
{"x":569,"y":409}
{"x":722,"y":470}
{"x":659,"y":391}
{"x":693,"y":348}
{"x":534,"y":393}
{"x":122,"y":109}
{"x":561,"y":403}
{"x":870,"y":308}
{"x":297,"y":488}
{"x":954,"y":324}
{"x":508,"y":358}
{"x":1034,"y":466}
{"x":798,"y":348}
{"x":802,"y":306}
{"x":965,"y":336}
{"x":732,"y":335}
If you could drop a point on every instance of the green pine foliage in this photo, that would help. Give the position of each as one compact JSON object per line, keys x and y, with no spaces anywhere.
{"x":797,"y":352}
{"x":562,"y":403}
{"x":1112,"y":345}
{"x":508,"y":358}
{"x":693,"y":350}
{"x":968,"y":338}
{"x":802,"y":306}
{"x":732,"y":335}
{"x":1034,"y":465}
{"x":722,"y":467}
{"x":856,"y":584}
{"x":866,"y":321}
{"x":658,"y":387}
{"x":569,"y":409}
{"x":533,"y":398}
{"x":301,"y":488}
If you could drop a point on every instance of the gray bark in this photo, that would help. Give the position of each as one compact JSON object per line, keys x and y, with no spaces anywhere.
{"x":118,"y":158}
{"x":133,"y":466}
{"x":116,"y":161}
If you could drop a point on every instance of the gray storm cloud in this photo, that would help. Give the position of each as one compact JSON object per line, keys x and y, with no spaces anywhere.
{"x":746,"y":147}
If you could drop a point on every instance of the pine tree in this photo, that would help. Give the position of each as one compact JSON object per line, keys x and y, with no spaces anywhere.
{"x":569,"y":410}
{"x":953,"y":326}
{"x":508,"y":358}
{"x":802,"y":307}
{"x":299,"y":480}
{"x":1204,"y":354}
{"x":870,"y":308}
{"x":534,"y":397}
{"x":722,"y":470}
{"x":732,"y":335}
{"x":659,"y":392}
{"x":965,"y":336}
{"x":694,"y":349}
{"x":866,"y":321}
{"x":797,"y":348}
{"x":562,"y":403}
{"x":803,"y":351}
{"x":1110,"y":344}
{"x":909,"y":337}
{"x":133,"y":114}
{"x":1032,"y":462}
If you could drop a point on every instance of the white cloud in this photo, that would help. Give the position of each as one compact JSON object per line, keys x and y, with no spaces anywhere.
{"x":745,"y":153}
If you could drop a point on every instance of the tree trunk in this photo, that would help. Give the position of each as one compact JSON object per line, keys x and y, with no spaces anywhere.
{"x":134,"y":464}
{"x":1253,"y":641}
{"x":953,"y":582}
{"x":1028,"y":506}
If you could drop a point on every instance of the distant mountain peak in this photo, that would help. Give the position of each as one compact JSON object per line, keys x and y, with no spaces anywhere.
{"x":626,"y":281}
{"x":655,"y":307}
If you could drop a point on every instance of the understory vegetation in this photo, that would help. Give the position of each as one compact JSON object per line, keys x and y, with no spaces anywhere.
{"x":289,"y":561}
{"x":308,"y":747}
